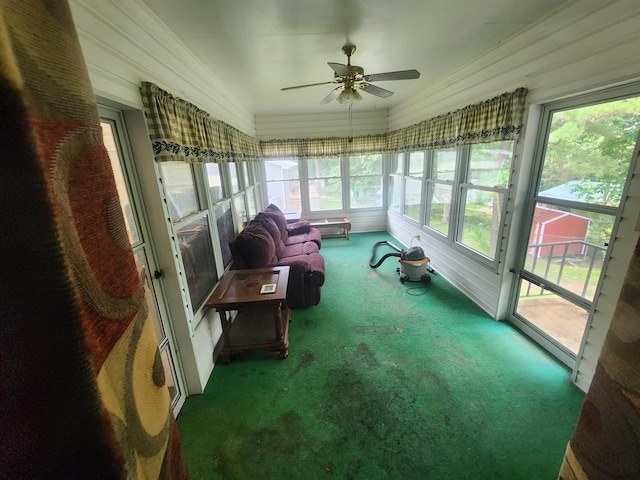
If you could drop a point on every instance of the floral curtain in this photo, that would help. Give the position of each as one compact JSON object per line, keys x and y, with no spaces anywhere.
{"x":180,"y":131}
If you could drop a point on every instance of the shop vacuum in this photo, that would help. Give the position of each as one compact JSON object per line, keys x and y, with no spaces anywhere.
{"x":413,"y":263}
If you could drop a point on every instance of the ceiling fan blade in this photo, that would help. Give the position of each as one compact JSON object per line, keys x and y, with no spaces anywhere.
{"x":333,"y":94}
{"x":377,"y":91}
{"x":303,"y":86}
{"x":340,"y":69}
{"x":401,"y":75}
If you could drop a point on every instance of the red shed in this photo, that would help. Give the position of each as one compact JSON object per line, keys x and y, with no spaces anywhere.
{"x":553,"y":226}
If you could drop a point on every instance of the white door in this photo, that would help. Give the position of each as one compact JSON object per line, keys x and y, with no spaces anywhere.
{"x":116,"y":142}
{"x":583,"y":168}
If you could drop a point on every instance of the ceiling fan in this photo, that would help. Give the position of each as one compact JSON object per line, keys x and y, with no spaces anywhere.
{"x":351,"y":78}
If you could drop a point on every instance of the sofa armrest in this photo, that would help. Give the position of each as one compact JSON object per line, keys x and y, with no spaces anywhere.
{"x":306,"y":276}
{"x":308,"y":268}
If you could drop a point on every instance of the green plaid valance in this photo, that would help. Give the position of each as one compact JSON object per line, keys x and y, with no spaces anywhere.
{"x":180,"y":131}
{"x":306,"y":148}
{"x":499,"y":118}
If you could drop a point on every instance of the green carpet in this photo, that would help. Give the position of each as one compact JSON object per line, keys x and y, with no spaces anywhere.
{"x":384,"y":380}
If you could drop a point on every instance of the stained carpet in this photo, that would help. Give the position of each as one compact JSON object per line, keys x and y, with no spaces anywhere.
{"x":384,"y":380}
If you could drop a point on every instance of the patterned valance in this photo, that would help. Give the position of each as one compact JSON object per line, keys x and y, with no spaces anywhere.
{"x":180,"y":131}
{"x":306,"y":148}
{"x":499,"y":118}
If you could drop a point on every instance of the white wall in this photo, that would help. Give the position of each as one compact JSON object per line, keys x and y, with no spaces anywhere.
{"x":322,"y":125}
{"x":586,"y":45}
{"x":124,"y":44}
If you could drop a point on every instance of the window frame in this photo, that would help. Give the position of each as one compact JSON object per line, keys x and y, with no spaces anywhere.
{"x":285,"y":182}
{"x":408,"y":175}
{"x":394,"y":176}
{"x":463,"y":184}
{"x":343,"y":186}
{"x":431,"y":181}
{"x":351,"y":176}
{"x":456,"y":219}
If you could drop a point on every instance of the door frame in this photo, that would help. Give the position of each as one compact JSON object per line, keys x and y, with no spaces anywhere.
{"x":568,"y":358}
{"x":135,"y":194}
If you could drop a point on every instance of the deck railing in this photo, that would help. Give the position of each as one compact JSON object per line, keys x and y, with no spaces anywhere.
{"x":558,"y":258}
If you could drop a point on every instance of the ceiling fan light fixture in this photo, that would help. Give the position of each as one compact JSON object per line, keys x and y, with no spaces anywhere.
{"x":351,"y":78}
{"x":349,"y":96}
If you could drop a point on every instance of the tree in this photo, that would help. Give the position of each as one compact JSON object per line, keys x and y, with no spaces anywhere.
{"x":593,"y":145}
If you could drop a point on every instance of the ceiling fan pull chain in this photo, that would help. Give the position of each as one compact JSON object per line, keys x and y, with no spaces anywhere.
{"x":350,"y":123}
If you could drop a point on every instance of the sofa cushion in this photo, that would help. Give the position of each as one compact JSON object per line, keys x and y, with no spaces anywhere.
{"x":270,"y":226}
{"x":299,"y":249}
{"x":313,"y":236}
{"x":296,"y":228}
{"x":256,"y":246}
{"x":277,"y":216}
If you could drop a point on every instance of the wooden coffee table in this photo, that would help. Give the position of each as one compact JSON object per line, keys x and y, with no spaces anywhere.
{"x":263,"y":318}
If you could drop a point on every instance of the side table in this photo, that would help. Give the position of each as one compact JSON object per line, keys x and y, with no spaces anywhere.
{"x":263,"y":318}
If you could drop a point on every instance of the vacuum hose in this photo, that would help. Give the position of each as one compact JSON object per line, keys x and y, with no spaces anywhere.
{"x":384,"y":257}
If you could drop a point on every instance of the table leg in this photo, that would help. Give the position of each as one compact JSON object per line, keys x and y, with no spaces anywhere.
{"x":226,"y":331}
{"x":226,"y":335}
{"x":277,"y":322}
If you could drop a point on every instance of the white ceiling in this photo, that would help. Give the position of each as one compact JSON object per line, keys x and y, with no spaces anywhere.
{"x":256,"y":47}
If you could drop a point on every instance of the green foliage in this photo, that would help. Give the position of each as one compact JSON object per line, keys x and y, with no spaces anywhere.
{"x":593,"y":145}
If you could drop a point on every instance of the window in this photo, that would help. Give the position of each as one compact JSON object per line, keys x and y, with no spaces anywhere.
{"x":109,"y":134}
{"x":283,"y":184}
{"x":413,"y":186}
{"x":191,"y":222}
{"x":252,"y":208}
{"x":214,"y":180}
{"x":325,"y":184}
{"x":194,"y":240}
{"x":233,"y":178}
{"x":365,"y":181}
{"x":465,"y":193}
{"x":240,"y":207}
{"x":226,"y":229}
{"x":482,"y":196}
{"x":395,"y":183}
{"x":243,"y":174}
{"x":440,"y":189}
{"x":180,"y":189}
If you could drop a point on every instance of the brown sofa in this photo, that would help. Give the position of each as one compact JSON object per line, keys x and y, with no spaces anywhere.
{"x":268,"y":240}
